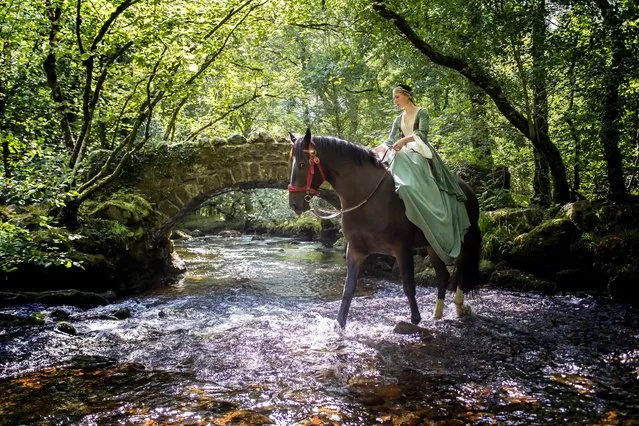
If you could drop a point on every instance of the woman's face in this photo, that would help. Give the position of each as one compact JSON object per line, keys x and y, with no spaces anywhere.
{"x":400,"y":99}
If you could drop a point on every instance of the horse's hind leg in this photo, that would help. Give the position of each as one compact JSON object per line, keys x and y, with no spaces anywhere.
{"x":407,"y":270}
{"x":442,"y":275}
{"x":354,"y":261}
{"x":458,"y":300}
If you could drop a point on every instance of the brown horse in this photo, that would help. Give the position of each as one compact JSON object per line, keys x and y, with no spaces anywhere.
{"x":374,"y":219}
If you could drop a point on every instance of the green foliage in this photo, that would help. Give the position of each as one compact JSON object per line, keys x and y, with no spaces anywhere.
{"x":231,"y":66}
{"x":497,"y":239}
{"x":104,"y":236}
{"x":261,"y":209}
{"x":494,"y":199}
{"x":29,"y":191}
{"x":269,"y":206}
{"x":46,"y":247}
{"x":304,"y":224}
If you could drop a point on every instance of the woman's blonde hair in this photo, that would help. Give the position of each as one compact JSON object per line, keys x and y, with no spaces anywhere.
{"x":406,"y":90}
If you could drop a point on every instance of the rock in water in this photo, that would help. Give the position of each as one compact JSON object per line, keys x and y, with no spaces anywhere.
{"x":404,"y":327}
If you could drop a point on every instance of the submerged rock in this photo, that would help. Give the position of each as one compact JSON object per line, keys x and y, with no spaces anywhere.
{"x":404,"y":327}
{"x":66,"y":328}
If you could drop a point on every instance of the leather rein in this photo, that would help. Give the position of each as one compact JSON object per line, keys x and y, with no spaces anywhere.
{"x":314,"y":162}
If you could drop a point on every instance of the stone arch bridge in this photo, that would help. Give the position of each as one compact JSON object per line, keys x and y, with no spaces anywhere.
{"x":177,"y":179}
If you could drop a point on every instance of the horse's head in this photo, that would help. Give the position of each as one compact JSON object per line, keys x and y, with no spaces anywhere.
{"x":307,"y":173}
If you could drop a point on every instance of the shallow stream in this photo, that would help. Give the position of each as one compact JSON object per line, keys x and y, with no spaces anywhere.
{"x":249,"y":337}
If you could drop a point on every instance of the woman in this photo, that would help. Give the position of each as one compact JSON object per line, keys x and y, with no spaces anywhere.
{"x":431,"y":193}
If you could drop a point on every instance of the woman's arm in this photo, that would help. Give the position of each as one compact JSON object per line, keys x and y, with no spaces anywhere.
{"x":394,"y":133}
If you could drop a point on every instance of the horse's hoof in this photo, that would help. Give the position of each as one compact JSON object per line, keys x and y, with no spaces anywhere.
{"x":342,"y":323}
{"x":337,"y":328}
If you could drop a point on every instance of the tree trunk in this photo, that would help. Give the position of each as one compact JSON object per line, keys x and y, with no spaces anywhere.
{"x":541,"y":182}
{"x":609,"y":134}
{"x":66,"y":117}
{"x":5,"y":140}
{"x":540,"y":98}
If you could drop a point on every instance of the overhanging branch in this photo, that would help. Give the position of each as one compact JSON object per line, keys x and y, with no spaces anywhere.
{"x":473,"y":73}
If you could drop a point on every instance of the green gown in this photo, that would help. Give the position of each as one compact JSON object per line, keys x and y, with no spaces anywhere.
{"x":434,"y":201}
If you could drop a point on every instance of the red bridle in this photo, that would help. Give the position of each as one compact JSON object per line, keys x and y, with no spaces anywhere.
{"x":313,"y":161}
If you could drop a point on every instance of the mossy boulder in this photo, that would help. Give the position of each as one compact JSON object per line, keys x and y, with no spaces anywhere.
{"x":81,"y":299}
{"x":519,"y":220}
{"x":114,"y":249}
{"x":546,"y":249}
{"x":512,"y":279}
{"x":578,"y":247}
{"x":305,"y":226}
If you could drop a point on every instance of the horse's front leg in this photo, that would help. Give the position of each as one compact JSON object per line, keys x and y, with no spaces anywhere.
{"x":407,"y":271}
{"x":442,"y":275}
{"x":354,"y":260}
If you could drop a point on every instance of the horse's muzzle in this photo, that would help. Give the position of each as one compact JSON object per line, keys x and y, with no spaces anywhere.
{"x":298,"y":204}
{"x":298,"y":209}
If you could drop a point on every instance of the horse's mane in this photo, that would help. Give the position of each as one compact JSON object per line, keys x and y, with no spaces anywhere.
{"x":352,"y":151}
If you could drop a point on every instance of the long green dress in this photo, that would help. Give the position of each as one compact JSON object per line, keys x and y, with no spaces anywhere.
{"x":434,"y":201}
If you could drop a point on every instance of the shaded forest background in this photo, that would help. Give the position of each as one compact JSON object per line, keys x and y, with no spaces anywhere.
{"x":549,"y":89}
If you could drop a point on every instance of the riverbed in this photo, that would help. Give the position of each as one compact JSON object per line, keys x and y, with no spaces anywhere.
{"x":248,"y":336}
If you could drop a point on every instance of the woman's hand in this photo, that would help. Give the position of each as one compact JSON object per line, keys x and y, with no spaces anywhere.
{"x":397,"y":146}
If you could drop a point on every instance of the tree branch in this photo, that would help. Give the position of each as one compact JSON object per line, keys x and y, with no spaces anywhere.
{"x":50,"y":70}
{"x":90,"y":96}
{"x":221,"y":117}
{"x":474,"y":73}
{"x":231,"y":13}
{"x":78,"y":26}
{"x":107,"y":24}
{"x":170,"y":129}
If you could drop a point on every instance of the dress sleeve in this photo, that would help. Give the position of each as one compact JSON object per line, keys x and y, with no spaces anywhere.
{"x":394,"y":133}
{"x":446,"y":180}
{"x":424,"y":124}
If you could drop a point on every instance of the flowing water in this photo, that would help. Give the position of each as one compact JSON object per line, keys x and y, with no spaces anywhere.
{"x":248,"y":336}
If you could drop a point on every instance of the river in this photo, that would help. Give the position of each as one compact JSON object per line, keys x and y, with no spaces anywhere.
{"x":249,"y":336}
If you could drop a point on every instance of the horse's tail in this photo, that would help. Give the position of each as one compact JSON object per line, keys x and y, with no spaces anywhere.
{"x":466,"y":274}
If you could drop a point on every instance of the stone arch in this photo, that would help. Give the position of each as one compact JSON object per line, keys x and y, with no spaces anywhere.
{"x":177,"y":179}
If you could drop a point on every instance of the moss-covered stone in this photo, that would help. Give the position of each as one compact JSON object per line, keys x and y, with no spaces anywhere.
{"x":513,"y":279}
{"x":519,"y":220}
{"x":125,"y":208}
{"x":34,"y":319}
{"x":66,"y":328}
{"x":305,"y":226}
{"x":546,"y":248}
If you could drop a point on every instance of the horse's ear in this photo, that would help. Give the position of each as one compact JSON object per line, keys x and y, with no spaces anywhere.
{"x":293,"y":137}
{"x":307,"y":139}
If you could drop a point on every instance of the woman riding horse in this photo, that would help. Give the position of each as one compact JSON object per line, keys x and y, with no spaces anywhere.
{"x":431,"y":193}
